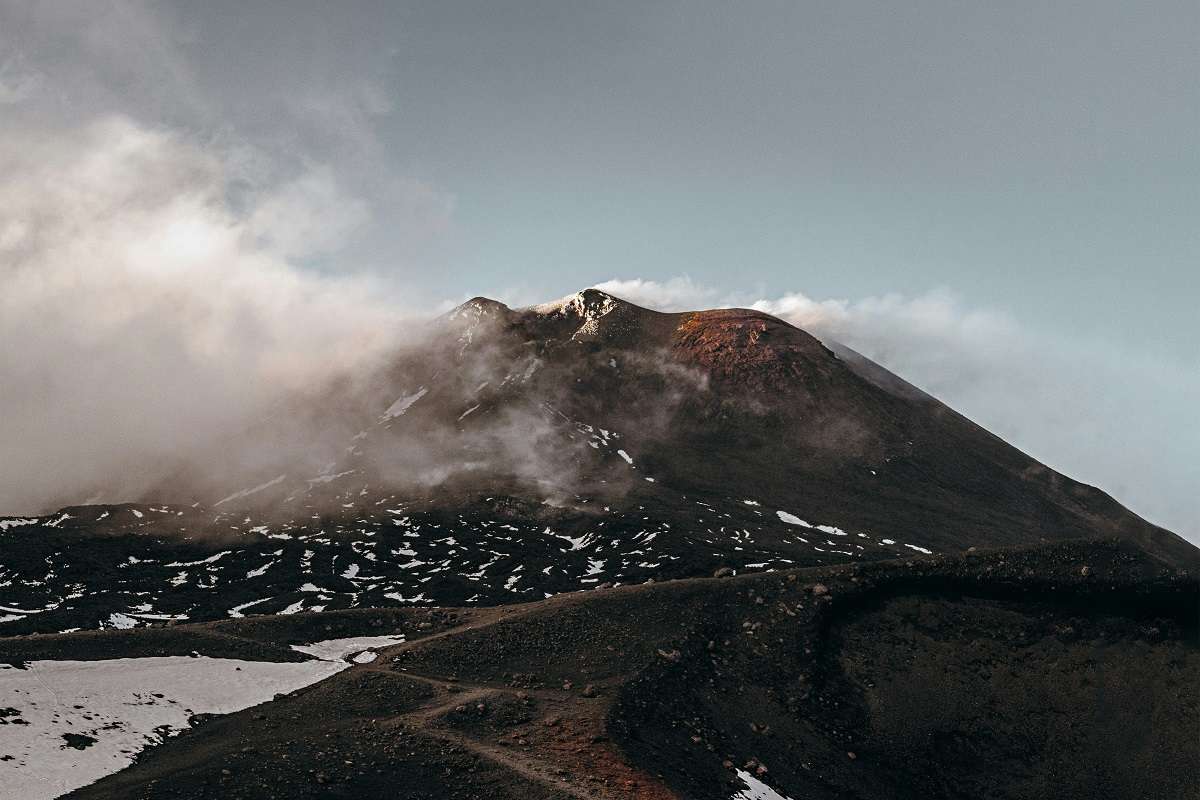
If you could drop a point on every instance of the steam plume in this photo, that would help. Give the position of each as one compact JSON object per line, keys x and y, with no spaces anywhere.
{"x":141,"y":316}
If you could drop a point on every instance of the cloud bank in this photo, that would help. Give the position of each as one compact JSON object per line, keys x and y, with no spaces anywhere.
{"x":141,"y":317}
{"x":177,"y":260}
{"x":1096,"y":413}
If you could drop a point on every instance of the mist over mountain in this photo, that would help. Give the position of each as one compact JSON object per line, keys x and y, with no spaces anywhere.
{"x":143,"y":318}
{"x":697,"y":441}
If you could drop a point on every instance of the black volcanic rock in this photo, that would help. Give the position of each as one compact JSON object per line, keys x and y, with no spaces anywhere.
{"x":1005,"y":674}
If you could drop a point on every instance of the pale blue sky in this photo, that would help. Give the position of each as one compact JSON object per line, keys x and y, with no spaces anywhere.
{"x":1039,"y":156}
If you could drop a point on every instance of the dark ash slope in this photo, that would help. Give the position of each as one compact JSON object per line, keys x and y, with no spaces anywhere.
{"x":1065,"y":670}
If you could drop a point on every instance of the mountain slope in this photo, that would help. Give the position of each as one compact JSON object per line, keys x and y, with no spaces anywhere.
{"x":1013,"y":674}
{"x":510,"y":454}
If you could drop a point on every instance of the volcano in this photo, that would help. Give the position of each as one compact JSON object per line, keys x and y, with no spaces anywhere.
{"x":633,"y":553}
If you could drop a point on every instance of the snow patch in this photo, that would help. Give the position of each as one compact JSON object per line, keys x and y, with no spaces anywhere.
{"x":328,"y":478}
{"x":121,"y":621}
{"x":255,"y":490}
{"x":756,"y":789}
{"x":236,"y":611}
{"x":338,"y":649}
{"x":404,"y":403}
{"x":123,"y":705}
{"x":211,"y":559}
{"x":791,"y":519}
{"x":254,"y":573}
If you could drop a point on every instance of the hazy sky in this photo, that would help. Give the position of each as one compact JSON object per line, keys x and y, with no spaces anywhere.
{"x":1000,"y":201}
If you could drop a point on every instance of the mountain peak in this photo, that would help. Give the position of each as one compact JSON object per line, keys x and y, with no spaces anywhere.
{"x":589,"y":302}
{"x":478,"y":307}
{"x":589,"y":309}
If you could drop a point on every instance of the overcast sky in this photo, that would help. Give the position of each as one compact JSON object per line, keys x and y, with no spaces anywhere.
{"x":1000,"y":201}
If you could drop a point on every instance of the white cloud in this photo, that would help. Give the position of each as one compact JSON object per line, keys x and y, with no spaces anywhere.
{"x":18,"y":81}
{"x":307,"y":216}
{"x":141,"y":316}
{"x":175,"y":257}
{"x":675,"y":294}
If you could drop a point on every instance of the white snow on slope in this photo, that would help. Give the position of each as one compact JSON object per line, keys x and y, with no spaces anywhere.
{"x":128,"y":704}
{"x":15,"y":610}
{"x":115,"y":703}
{"x":791,"y":519}
{"x":248,"y":492}
{"x":328,"y":478}
{"x":236,"y":611}
{"x":756,"y":789}
{"x":403,"y":403}
{"x":254,"y":573}
{"x":210,"y":560}
{"x":122,"y":621}
{"x":338,"y":649}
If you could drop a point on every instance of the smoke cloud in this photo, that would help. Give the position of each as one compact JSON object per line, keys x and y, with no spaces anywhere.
{"x":141,"y":317}
{"x":177,"y":261}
